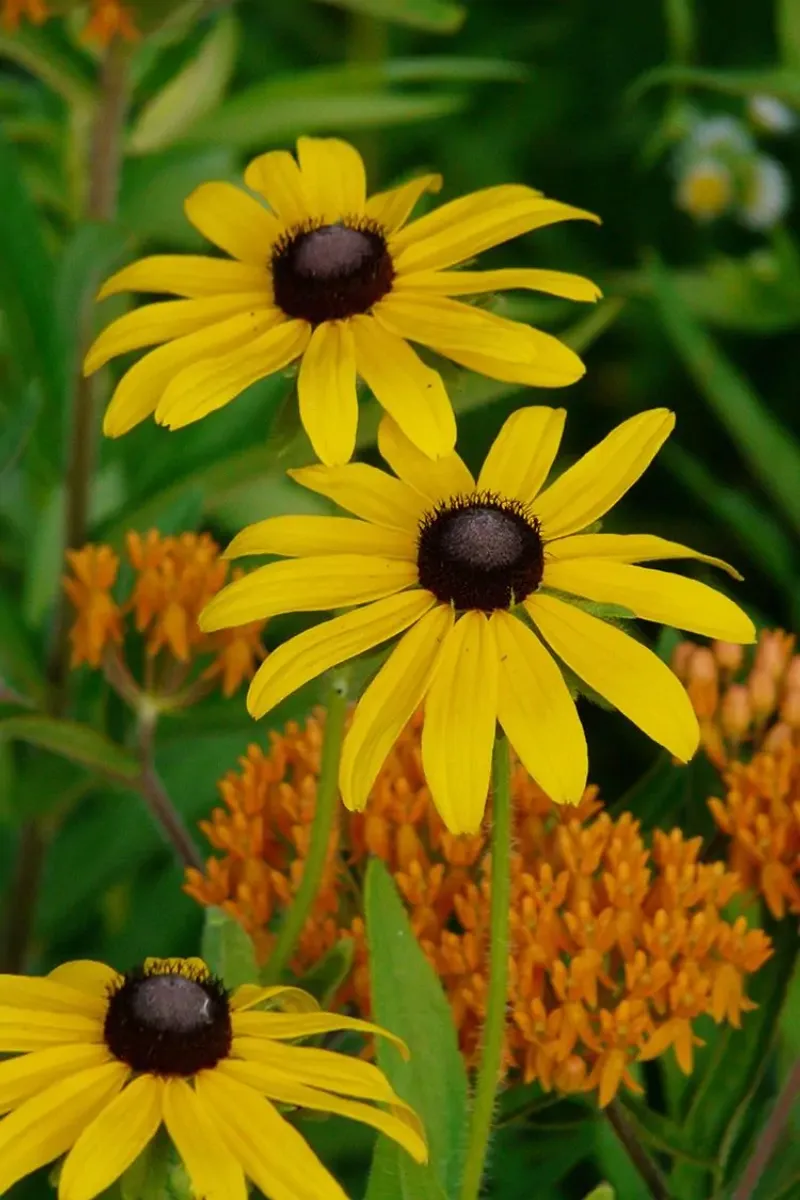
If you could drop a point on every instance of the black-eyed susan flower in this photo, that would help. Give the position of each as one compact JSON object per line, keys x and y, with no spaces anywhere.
{"x":342,"y":282}
{"x":481,"y":577}
{"x":105,"y":1059}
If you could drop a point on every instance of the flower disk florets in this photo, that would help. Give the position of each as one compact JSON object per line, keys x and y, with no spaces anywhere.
{"x":173,"y":1022}
{"x":331,"y":272}
{"x":480,"y":552}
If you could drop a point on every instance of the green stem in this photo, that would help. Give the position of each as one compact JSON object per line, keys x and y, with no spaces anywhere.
{"x":490,"y":1071}
{"x":324,"y":815}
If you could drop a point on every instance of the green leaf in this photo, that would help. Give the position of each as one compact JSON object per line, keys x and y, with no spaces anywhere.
{"x":148,"y":1176}
{"x":768,"y":448}
{"x":603,"y":1192}
{"x":395,"y":1176}
{"x":70,"y":739}
{"x":329,"y":973}
{"x":784,"y":84}
{"x":407,"y":998}
{"x":49,"y":59}
{"x":668,"y":793}
{"x":228,"y":949}
{"x":434,"y":16}
{"x":787,"y":27}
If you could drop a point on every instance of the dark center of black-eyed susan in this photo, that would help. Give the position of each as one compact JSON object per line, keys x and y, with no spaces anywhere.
{"x":481,"y":552}
{"x":174,"y":1023}
{"x":331,"y":272}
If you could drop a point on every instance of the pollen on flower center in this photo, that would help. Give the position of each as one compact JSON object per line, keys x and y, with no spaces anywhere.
{"x":480,"y":552}
{"x":170,"y":1023}
{"x":332,"y":272}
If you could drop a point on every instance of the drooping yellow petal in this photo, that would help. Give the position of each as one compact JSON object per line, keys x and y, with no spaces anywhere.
{"x":285,"y":1027}
{"x":388,"y":703}
{"x":463,"y":208}
{"x":537,"y":712}
{"x":626,"y":673}
{"x":311,"y":653}
{"x":23,"y":1077}
{"x":211,"y":383}
{"x":187,"y":275}
{"x":523,"y":452}
{"x":367,"y":492}
{"x":392,"y":208}
{"x":155,"y":323}
{"x":587,"y":490}
{"x":306,"y":585}
{"x":278,"y":995}
{"x":326,"y":390}
{"x":654,"y":596}
{"x":471,"y":283}
{"x":271,"y":1151}
{"x":277,"y":177}
{"x":31,"y":1029}
{"x":44,"y":1127}
{"x":554,"y":364}
{"x":138,"y":392}
{"x":334,"y":179}
{"x":327,"y":1069}
{"x":117,"y":1136}
{"x":48,"y":995}
{"x":401,"y":1124}
{"x":629,"y":547}
{"x":437,"y":480}
{"x":87,"y":976}
{"x":446,"y":324}
{"x":234,"y":221}
{"x":409,"y":391}
{"x":460,"y":720}
{"x":212,"y":1168}
{"x":298,"y":536}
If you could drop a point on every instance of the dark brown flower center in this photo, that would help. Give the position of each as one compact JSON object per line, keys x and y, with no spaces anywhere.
{"x":168,"y":1024}
{"x":332,"y":272}
{"x":480,"y":552}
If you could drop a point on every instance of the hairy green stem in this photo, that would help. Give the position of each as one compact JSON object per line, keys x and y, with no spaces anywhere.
{"x":491,"y":1065}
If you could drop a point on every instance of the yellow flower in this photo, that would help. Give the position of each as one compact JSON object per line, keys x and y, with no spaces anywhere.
{"x":105,"y":1059}
{"x":480,"y":574}
{"x":342,"y":282}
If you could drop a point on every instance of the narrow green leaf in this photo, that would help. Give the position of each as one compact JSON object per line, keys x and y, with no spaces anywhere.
{"x":394,"y":1176}
{"x":329,"y":973}
{"x":228,"y":949}
{"x":48,"y":58}
{"x":787,"y":27}
{"x":776,"y":81}
{"x":603,"y":1192}
{"x":407,"y":998}
{"x":434,"y":16}
{"x":70,"y":739}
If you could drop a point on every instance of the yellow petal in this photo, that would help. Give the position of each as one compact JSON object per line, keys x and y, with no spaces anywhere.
{"x":409,"y":391}
{"x":470,"y":283}
{"x":334,"y":179}
{"x":271,"y":1151}
{"x":107,"y":1147}
{"x":474,"y":204}
{"x":87,"y":976}
{"x":209,"y":384}
{"x":326,"y":390}
{"x":48,"y":995}
{"x":277,"y":177}
{"x":523,"y":452}
{"x":299,"y":536}
{"x":448,"y":324}
{"x":587,"y":490}
{"x":626,"y":673}
{"x":306,"y":585}
{"x":388,"y":704}
{"x":234,"y":221}
{"x":460,"y":720}
{"x":392,"y":208}
{"x":311,"y":653}
{"x":629,"y":547}
{"x":402,"y":1124}
{"x":187,"y":275}
{"x":419,"y":248}
{"x":155,"y":323}
{"x":327,"y":1069}
{"x":287,"y":999}
{"x":44,"y":1127}
{"x":368,"y":492}
{"x":280,"y":1026}
{"x":32,"y":1029}
{"x":138,"y":392}
{"x":537,"y":712}
{"x":23,"y":1077}
{"x":654,"y":596}
{"x":437,"y":480}
{"x":213,"y":1170}
{"x":554,"y":364}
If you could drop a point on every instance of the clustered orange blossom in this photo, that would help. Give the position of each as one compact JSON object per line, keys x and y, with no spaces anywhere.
{"x":173,"y":577}
{"x":107,"y":18}
{"x":749,"y":710}
{"x":616,"y":949}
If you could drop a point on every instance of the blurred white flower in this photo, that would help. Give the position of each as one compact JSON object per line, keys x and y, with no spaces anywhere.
{"x":766,"y":194}
{"x":771,"y":115}
{"x":705,"y":189}
{"x":721,"y":134}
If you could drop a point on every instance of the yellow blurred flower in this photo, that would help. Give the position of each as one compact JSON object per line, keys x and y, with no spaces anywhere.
{"x":342,"y":282}
{"x":466,"y":570}
{"x":104,"y":1059}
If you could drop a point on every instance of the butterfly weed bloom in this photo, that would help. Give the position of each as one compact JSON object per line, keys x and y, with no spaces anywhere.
{"x":107,"y":18}
{"x":479,"y":577}
{"x":343,"y":282}
{"x":104,"y":1059}
{"x":617,"y":949}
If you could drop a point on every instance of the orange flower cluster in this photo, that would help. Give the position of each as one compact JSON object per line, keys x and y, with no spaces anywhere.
{"x":174,"y":577}
{"x":616,"y":950}
{"x":750,"y":717}
{"x":108,"y":18}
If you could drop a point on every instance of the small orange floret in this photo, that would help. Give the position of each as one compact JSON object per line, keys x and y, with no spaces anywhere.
{"x":109,"y":19}
{"x":13,"y":10}
{"x":98,"y":619}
